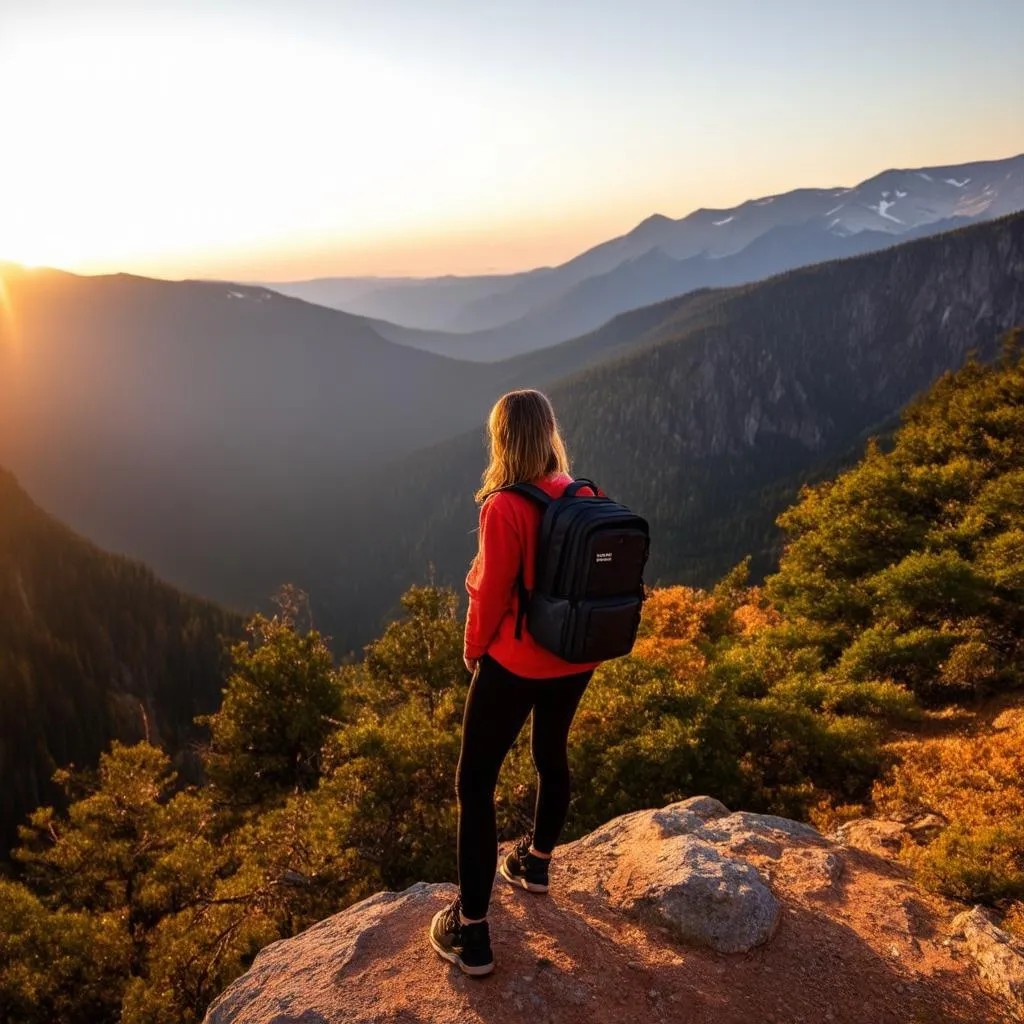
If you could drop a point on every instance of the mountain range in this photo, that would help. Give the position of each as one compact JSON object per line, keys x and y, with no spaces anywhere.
{"x":491,"y":318}
{"x":201,"y":426}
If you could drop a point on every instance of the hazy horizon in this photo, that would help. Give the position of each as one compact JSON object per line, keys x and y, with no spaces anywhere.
{"x":258,"y":142}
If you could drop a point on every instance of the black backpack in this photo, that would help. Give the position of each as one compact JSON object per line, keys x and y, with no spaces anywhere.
{"x":588,"y":580}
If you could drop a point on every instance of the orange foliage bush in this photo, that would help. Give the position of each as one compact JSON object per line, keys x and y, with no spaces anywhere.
{"x":675,"y":622}
{"x":755,"y":615}
{"x":681,"y":656}
{"x":975,"y":779}
{"x":677,"y":613}
{"x":679,"y":623}
{"x":976,"y":783}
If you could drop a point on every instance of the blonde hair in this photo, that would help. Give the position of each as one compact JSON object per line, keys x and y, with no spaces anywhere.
{"x":523,"y":440}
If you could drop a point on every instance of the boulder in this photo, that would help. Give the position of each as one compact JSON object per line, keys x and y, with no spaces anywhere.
{"x":678,"y":819}
{"x":925,"y":828}
{"x":707,"y":808}
{"x":674,"y":864}
{"x":743,"y":825}
{"x":872,"y":835}
{"x":703,"y":896}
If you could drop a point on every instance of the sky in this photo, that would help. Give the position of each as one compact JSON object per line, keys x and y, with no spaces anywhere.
{"x":285,"y":139}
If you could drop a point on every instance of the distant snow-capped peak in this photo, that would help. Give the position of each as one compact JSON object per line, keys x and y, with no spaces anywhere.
{"x":895,"y":202}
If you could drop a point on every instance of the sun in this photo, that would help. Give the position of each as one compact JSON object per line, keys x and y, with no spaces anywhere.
{"x":31,"y":254}
{"x":136,"y":165}
{"x":10,"y":259}
{"x":41,"y":246}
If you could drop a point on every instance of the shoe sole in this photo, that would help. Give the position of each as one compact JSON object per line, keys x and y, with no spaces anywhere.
{"x":521,"y":883}
{"x":454,"y":958}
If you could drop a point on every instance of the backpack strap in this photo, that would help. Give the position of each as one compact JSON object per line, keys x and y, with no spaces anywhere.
{"x":539,"y":497}
{"x":531,"y":491}
{"x":578,"y":484}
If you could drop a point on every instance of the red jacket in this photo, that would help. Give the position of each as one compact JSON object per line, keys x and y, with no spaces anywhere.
{"x":509,"y":524}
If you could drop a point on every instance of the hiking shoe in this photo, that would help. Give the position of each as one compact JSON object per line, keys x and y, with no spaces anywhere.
{"x":525,"y":869}
{"x":468,"y":946}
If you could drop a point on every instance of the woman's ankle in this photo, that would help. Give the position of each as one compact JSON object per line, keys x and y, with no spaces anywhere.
{"x":538,"y":853}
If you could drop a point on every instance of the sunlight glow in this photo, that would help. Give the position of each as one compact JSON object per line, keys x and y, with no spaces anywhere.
{"x":6,"y":317}
{"x":167,"y":145}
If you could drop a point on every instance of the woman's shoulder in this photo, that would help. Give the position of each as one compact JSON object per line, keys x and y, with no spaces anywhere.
{"x":507,"y":504}
{"x":507,"y":501}
{"x":501,"y":502}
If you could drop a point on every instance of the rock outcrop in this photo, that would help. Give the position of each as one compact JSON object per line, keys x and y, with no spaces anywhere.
{"x":688,"y":913}
{"x":1000,"y":959}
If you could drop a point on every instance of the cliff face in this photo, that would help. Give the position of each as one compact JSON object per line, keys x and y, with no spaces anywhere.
{"x":684,"y":914}
{"x":710,"y":431}
{"x":810,"y":355}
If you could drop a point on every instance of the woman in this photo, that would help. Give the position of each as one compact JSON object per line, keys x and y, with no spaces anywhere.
{"x":511,"y":678}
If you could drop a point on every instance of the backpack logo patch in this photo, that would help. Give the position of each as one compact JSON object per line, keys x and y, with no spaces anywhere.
{"x":603,"y":556}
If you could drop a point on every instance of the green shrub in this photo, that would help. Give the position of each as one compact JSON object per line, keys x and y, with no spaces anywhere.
{"x":976,"y":864}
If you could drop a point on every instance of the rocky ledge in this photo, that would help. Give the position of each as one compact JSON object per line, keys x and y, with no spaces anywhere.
{"x":685,"y":914}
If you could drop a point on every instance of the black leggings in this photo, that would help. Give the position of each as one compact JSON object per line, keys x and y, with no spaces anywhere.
{"x":497,"y":707}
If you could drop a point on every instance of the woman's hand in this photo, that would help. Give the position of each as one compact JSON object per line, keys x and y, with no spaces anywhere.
{"x":472,"y":664}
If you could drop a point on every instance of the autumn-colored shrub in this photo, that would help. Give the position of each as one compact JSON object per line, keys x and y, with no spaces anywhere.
{"x":677,"y":613}
{"x":975,"y":782}
{"x":756,"y":614}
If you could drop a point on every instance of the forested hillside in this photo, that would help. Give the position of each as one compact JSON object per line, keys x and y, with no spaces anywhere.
{"x":899,"y":597}
{"x":712,"y":423}
{"x":92,"y":648}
